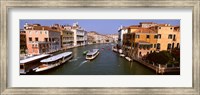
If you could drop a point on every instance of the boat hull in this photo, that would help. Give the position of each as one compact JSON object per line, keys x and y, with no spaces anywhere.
{"x":93,"y":57}
{"x":47,"y":67}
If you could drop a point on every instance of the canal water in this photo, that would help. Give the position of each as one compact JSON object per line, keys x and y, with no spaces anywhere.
{"x":106,"y":63}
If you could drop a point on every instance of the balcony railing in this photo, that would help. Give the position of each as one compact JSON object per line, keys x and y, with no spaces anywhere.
{"x":38,"y":42}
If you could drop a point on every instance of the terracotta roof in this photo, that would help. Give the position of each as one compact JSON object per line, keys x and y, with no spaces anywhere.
{"x":134,"y":26}
{"x":147,"y":23}
{"x":144,"y":30}
{"x":40,"y":28}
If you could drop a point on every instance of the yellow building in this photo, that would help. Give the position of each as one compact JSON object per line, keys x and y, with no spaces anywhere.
{"x":168,"y":37}
{"x":146,"y":38}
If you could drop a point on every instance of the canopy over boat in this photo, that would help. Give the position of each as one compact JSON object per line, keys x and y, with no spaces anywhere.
{"x":33,"y":58}
{"x":56,"y":57}
{"x":93,"y":52}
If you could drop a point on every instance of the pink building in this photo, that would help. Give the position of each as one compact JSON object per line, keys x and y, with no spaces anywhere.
{"x":41,"y":39}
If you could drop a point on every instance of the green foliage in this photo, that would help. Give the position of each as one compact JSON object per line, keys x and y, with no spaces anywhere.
{"x":163,"y":57}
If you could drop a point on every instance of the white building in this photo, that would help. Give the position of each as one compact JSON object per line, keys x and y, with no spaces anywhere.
{"x":122,"y":30}
{"x":80,"y":36}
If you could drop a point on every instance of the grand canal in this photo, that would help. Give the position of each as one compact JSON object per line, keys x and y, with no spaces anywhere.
{"x":106,"y":63}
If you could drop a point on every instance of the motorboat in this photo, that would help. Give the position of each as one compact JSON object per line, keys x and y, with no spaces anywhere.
{"x":92,"y":54}
{"x":128,"y":58}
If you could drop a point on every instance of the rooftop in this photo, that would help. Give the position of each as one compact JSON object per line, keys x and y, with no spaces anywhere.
{"x":33,"y":58}
{"x":56,"y":57}
{"x":144,"y":30}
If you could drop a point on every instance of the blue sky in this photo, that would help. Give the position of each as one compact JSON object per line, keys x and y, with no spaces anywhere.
{"x":104,"y":26}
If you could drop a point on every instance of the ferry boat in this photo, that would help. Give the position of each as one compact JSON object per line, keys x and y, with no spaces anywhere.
{"x":28,"y":64}
{"x":53,"y":61}
{"x":92,"y":54}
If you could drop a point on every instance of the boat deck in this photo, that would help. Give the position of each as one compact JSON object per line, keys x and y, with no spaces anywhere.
{"x":56,"y":57}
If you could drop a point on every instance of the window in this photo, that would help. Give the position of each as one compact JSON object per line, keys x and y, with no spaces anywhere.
{"x":50,"y":39}
{"x":171,"y":28}
{"x":137,"y":36}
{"x":148,"y":36}
{"x":30,"y":39}
{"x":154,"y":45}
{"x":169,"y":46}
{"x":172,"y":45}
{"x":159,"y":28}
{"x":159,"y":36}
{"x":36,"y":39}
{"x":45,"y":32}
{"x":45,"y":39}
{"x":170,"y":36}
{"x":40,"y":32}
{"x":177,"y":45}
{"x":174,"y":38}
{"x":155,"y":36}
{"x":158,"y":46}
{"x":151,"y":45}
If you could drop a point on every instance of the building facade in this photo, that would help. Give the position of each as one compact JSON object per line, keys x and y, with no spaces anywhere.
{"x":41,"y":39}
{"x":122,"y":30}
{"x":23,"y":47}
{"x":80,"y":35}
{"x":144,"y":39}
{"x":67,"y":39}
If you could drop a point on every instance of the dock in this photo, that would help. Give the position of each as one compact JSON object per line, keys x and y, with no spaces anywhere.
{"x":158,"y":69}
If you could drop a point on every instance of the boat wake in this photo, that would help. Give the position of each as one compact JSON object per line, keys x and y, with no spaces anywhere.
{"x":81,"y":64}
{"x":74,"y":59}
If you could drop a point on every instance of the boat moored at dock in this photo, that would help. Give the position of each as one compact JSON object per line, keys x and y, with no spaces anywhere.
{"x":92,"y":54}
{"x":53,"y":61}
{"x":26,"y":65}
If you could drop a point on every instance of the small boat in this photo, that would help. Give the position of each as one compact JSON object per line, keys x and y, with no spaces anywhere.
{"x":92,"y":54}
{"x":128,"y":58}
{"x":120,"y":51}
{"x":122,"y":55}
{"x":85,"y":52}
{"x":114,"y":49}
{"x":53,"y":61}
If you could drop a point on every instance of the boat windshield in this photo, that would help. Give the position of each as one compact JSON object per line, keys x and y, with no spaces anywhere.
{"x":89,"y":55}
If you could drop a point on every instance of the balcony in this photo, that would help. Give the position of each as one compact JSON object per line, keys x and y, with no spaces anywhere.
{"x":80,"y":33}
{"x":39,"y":42}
